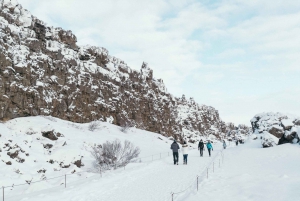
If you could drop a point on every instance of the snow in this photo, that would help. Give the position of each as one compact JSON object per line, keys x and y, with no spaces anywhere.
{"x":10,"y":3}
{"x":251,"y":173}
{"x":287,"y":122}
{"x":26,"y":133}
{"x":25,"y":18}
{"x":245,"y":175}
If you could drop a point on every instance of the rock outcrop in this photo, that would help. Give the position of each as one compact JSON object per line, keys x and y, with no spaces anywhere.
{"x":44,"y":72}
{"x":284,"y":127}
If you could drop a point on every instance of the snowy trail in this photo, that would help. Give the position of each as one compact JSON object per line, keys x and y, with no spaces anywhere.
{"x":250,"y":173}
{"x":146,"y":181}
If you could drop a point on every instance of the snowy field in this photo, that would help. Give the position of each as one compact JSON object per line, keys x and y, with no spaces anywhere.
{"x":249,"y":173}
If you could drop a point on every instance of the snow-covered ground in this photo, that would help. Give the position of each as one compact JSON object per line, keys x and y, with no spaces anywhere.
{"x":154,"y":178}
{"x":248,"y":172}
{"x":251,"y":173}
{"x":32,"y":163}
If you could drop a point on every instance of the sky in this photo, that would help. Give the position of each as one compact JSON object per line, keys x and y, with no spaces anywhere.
{"x":241,"y":57}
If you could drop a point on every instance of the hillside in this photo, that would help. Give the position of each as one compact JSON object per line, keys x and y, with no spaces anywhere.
{"x":28,"y":155}
{"x":44,"y":72}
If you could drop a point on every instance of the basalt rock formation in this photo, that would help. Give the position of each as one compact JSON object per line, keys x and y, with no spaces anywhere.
{"x":44,"y":72}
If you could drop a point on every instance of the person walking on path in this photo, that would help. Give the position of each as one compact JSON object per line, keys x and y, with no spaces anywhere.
{"x":237,"y":142}
{"x":201,"y":147}
{"x":175,"y":147}
{"x":185,"y":148}
{"x":209,"y":147}
{"x":224,"y":144}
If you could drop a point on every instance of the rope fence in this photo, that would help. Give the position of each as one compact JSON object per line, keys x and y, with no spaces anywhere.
{"x":138,"y":160}
{"x":204,"y":174}
{"x":195,"y":183}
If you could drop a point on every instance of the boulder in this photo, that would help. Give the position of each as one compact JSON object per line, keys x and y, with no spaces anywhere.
{"x":50,"y":135}
{"x":290,"y":136}
{"x":48,"y":146}
{"x":276,"y":131}
{"x":297,"y":122}
{"x":78,"y":163}
{"x":266,"y":143}
{"x":287,"y":124}
{"x":13,"y":154}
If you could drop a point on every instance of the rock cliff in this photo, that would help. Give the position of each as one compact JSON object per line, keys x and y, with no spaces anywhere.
{"x":44,"y":72}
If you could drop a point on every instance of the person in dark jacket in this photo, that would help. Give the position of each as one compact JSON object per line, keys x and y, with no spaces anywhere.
{"x":201,"y":147}
{"x":175,"y":147}
{"x":224,"y":144}
{"x":209,"y":147}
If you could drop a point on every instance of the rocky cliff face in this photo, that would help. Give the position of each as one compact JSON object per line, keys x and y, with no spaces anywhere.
{"x":44,"y":72}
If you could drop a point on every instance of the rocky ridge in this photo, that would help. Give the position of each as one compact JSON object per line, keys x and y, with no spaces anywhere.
{"x":44,"y":72}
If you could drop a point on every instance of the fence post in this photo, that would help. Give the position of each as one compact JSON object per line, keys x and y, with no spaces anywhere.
{"x":172,"y":196}
{"x":207,"y":173}
{"x":65,"y":181}
{"x":3,"y":192}
{"x":197,"y":182}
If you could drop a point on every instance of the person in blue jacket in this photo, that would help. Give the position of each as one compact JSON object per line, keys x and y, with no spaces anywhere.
{"x":209,"y":147}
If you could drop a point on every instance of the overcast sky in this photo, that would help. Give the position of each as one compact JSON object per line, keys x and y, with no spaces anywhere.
{"x":241,"y":57}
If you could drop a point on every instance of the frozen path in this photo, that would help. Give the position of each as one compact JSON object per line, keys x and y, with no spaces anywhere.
{"x":146,"y":181}
{"x":251,"y":173}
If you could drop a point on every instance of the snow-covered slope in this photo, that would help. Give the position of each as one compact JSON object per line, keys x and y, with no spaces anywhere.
{"x":44,"y":72}
{"x":27,"y":156}
{"x":276,"y":128}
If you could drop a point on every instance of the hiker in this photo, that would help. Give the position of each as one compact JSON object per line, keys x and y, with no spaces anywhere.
{"x":201,"y":147}
{"x":237,"y":142}
{"x":209,"y":147}
{"x":224,"y":144}
{"x":185,"y":148}
{"x":175,"y":147}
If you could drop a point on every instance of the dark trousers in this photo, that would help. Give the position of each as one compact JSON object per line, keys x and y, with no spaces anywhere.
{"x":209,"y":151}
{"x":201,"y":152}
{"x":185,"y":158}
{"x":175,"y":157}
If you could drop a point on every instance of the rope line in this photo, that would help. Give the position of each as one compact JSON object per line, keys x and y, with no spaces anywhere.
{"x":202,"y":173}
{"x":75,"y":173}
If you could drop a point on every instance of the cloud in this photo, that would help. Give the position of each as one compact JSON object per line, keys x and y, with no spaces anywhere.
{"x":231,"y":53}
